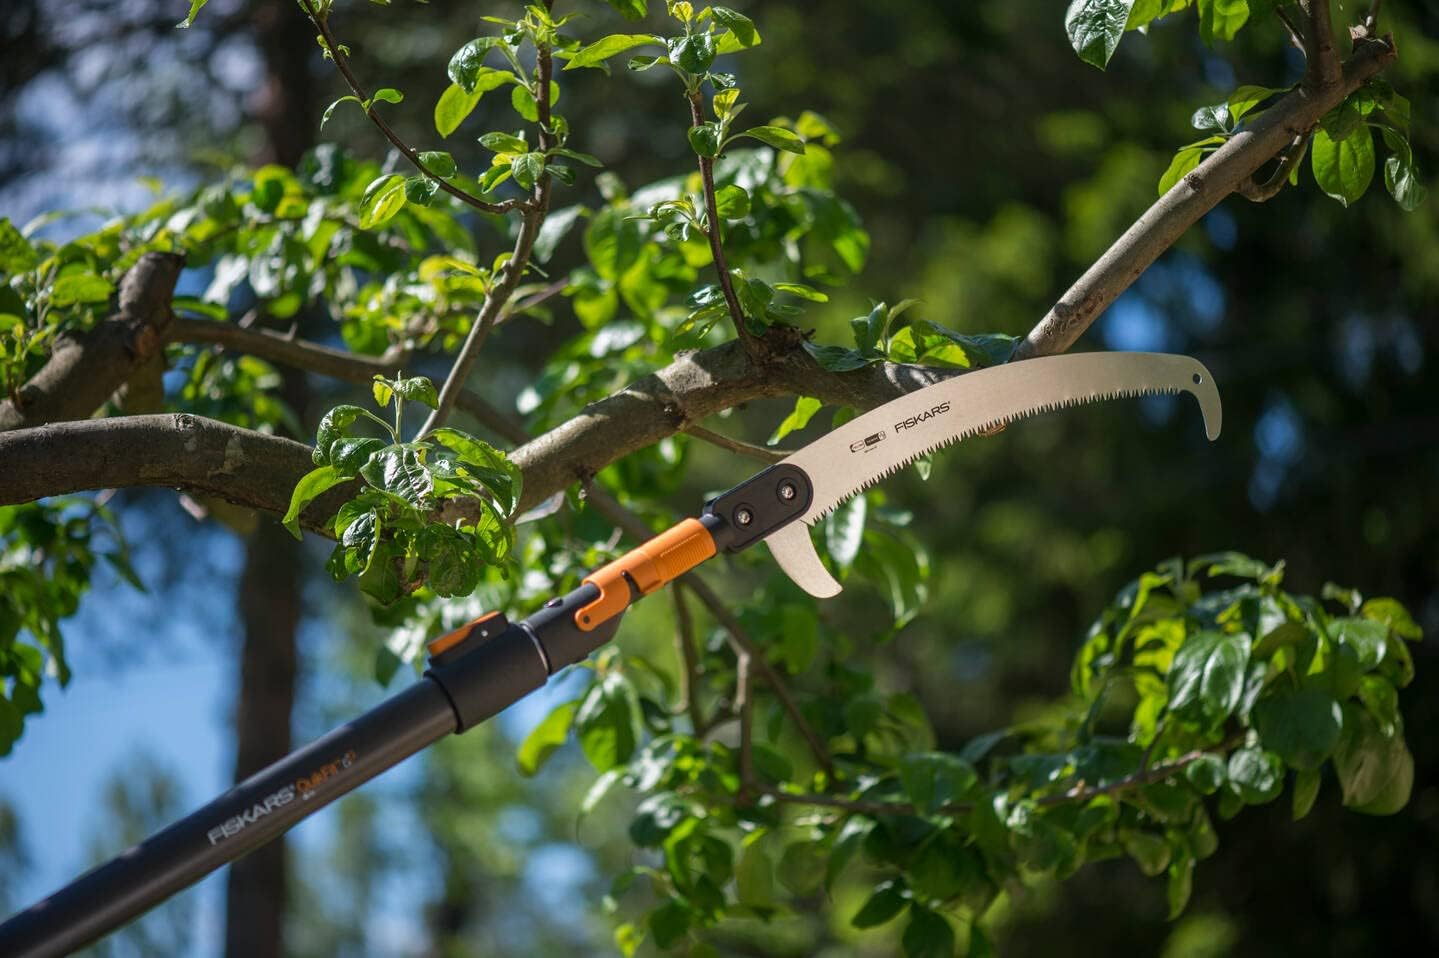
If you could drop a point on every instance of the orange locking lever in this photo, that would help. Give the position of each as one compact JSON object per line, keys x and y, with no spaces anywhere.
{"x":642,"y":570}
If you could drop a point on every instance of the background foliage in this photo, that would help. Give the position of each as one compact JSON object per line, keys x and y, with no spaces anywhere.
{"x":951,"y":627}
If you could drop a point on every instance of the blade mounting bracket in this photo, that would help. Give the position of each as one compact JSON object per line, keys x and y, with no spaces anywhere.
{"x":757,"y":507}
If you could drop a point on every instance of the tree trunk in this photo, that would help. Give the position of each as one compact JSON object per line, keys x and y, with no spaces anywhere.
{"x":270,"y":589}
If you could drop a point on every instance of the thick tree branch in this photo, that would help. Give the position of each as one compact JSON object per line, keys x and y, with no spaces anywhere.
{"x":190,"y":452}
{"x":1193,"y":196}
{"x":86,"y":368}
{"x":343,"y":63}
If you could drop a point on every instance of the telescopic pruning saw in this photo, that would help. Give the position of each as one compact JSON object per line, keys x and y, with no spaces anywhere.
{"x":481,"y":668}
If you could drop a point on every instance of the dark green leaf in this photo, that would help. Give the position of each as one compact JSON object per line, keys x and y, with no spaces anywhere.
{"x":503,"y":143}
{"x":656,"y":817}
{"x":927,"y":935}
{"x":1206,"y":678}
{"x":705,"y":139}
{"x":439,"y":163}
{"x":1300,"y":725}
{"x":527,"y":168}
{"x":886,"y":901}
{"x":670,"y":921}
{"x":693,"y":53}
{"x":632,"y":9}
{"x":1149,"y":851}
{"x":836,"y":359}
{"x":609,"y":722}
{"x":1095,"y":27}
{"x":1376,"y":771}
{"x":1207,"y":773}
{"x":397,"y":470}
{"x":1392,"y":614}
{"x":802,"y":867}
{"x":468,"y":61}
{"x":1306,"y":790}
{"x":754,"y":877}
{"x":16,"y":253}
{"x":1255,"y":776}
{"x":417,"y":388}
{"x":935,"y":779}
{"x":740,"y":25}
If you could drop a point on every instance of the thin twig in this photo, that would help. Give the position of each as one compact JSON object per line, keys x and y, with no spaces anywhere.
{"x":742,"y":642}
{"x":511,"y":273}
{"x":1078,"y":793}
{"x":1371,"y":19}
{"x":689,"y":658}
{"x":1260,"y":192}
{"x":712,"y":231}
{"x":409,"y":152}
{"x":761,"y":453}
{"x":1296,"y":36}
{"x":297,"y":353}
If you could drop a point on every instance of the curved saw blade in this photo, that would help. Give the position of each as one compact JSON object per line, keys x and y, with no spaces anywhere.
{"x":867,"y":448}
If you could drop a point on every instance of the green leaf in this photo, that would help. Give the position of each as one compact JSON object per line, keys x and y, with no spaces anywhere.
{"x":1376,"y":771}
{"x":545,"y":738}
{"x":1212,"y":119}
{"x":885,"y":902}
{"x":1394,"y":615}
{"x":195,"y":7}
{"x":1221,"y":19}
{"x":1095,"y":27}
{"x":609,"y":722}
{"x":1300,"y":725}
{"x":1207,"y":773}
{"x":1306,"y":790}
{"x":577,"y":156}
{"x":775,"y":136}
{"x":1255,"y":776}
{"x":1368,"y":639}
{"x":1150,"y":851}
{"x":1401,"y":179}
{"x":1247,"y":97}
{"x":656,"y":817}
{"x":1181,"y":884}
{"x":439,"y":163}
{"x":631,"y":9}
{"x":451,"y":565}
{"x":417,"y":388}
{"x":601,"y":50}
{"x":80,"y":288}
{"x":503,"y":143}
{"x":705,"y":139}
{"x":802,"y":291}
{"x":311,"y":485}
{"x":16,"y":253}
{"x":522,"y":98}
{"x":1343,"y":168}
{"x":693,"y":53}
{"x":740,"y":25}
{"x":927,"y":935}
{"x":732,"y":202}
{"x":836,"y":359}
{"x":397,"y":470}
{"x":455,"y":104}
{"x":804,"y":409}
{"x":388,"y":95}
{"x":935,"y":779}
{"x":330,"y":110}
{"x":333,"y":426}
{"x":490,"y":466}
{"x":754,"y":877}
{"x":670,"y":921}
{"x":1382,"y":700}
{"x":1206,"y":678}
{"x":527,"y":168}
{"x":802,"y":867}
{"x":1185,"y":160}
{"x":384,"y":197}
{"x":468,"y":62}
{"x":348,"y":455}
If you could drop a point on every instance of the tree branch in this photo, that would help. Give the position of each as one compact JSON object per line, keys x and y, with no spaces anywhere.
{"x":342,"y":62}
{"x":760,"y":453}
{"x":713,"y":230}
{"x":340,"y":364}
{"x":498,"y":296}
{"x":1078,"y":793}
{"x":85,"y":368}
{"x":689,"y":662}
{"x":1261,"y":192}
{"x":1322,"y":71}
{"x":1193,"y":196}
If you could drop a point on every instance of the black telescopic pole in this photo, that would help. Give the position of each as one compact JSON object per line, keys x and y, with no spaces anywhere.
{"x":475,"y":672}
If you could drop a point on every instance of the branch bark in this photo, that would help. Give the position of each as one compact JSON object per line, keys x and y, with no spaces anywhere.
{"x":86,"y":368}
{"x":341,"y":364}
{"x":1193,"y":196}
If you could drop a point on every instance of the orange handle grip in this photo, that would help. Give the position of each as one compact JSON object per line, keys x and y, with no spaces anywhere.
{"x":662,"y":559}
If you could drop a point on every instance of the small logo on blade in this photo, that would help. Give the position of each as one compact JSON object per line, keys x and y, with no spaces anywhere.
{"x":867,"y":443}
{"x":913,"y":421}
